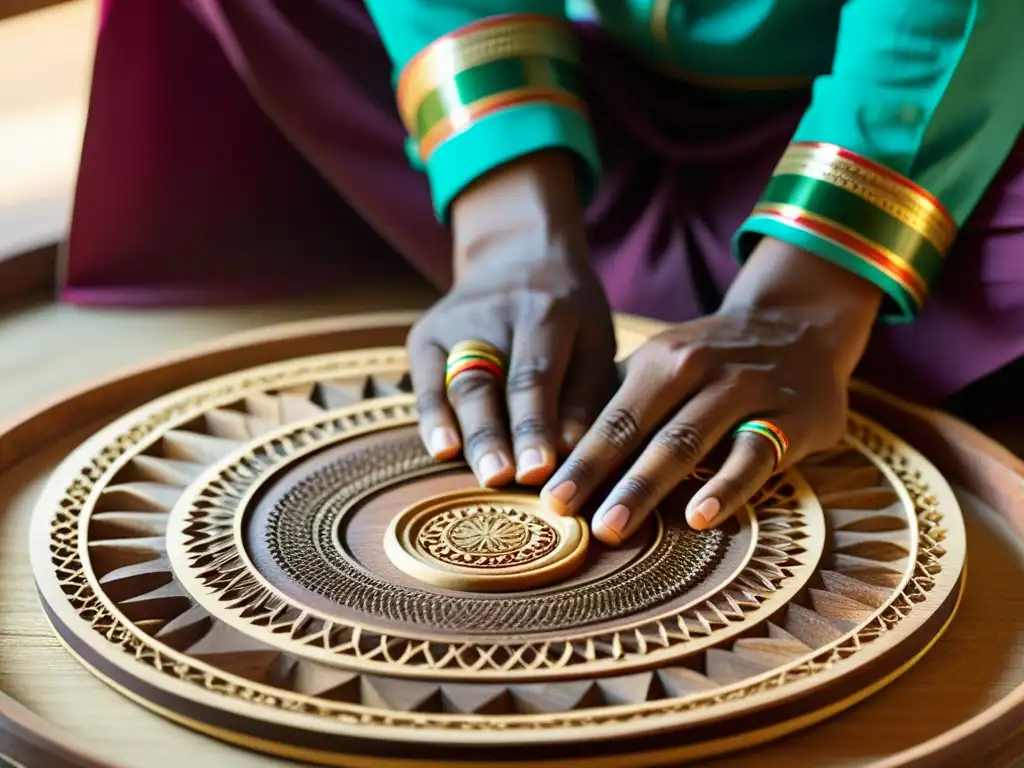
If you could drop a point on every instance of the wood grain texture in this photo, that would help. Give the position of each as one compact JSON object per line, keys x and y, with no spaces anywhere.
{"x":50,"y":351}
{"x":977,"y":665}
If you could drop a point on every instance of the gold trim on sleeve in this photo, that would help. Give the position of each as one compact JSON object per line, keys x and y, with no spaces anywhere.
{"x":881,"y":187}
{"x":492,"y":39}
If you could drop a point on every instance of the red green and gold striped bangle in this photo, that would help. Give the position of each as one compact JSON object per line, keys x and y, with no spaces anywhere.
{"x":473,"y":364}
{"x":483,"y":68}
{"x":474,"y":355}
{"x":771,"y":432}
{"x":457,"y":359}
{"x":888,"y":227}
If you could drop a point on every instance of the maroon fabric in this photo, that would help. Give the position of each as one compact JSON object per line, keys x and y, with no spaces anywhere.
{"x":188,"y":193}
{"x":241,"y":147}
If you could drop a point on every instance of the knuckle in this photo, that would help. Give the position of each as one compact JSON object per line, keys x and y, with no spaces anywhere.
{"x":670,"y":362}
{"x":746,"y":379}
{"x":619,"y":429}
{"x":683,"y":442}
{"x":650,"y":352}
{"x":694,"y":357}
{"x":532,"y":373}
{"x":482,"y":438}
{"x":638,"y":487}
{"x":583,"y":470}
{"x":419,"y":335}
{"x":542,"y":306}
{"x":530,"y":427}
{"x":649,"y":359}
{"x":659,"y":355}
{"x":470,"y":384}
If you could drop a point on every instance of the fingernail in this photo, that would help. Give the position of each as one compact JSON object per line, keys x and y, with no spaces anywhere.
{"x":532,"y":466}
{"x":572,"y":433}
{"x":562,"y":494}
{"x":705,"y":513}
{"x":492,"y":469}
{"x":612,"y":524}
{"x":443,"y":442}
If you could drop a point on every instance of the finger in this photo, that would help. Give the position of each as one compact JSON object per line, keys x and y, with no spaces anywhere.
{"x":670,"y":457}
{"x":478,"y":399}
{"x":641,"y":403}
{"x":438,"y":428}
{"x":540,"y":356}
{"x":750,"y":464}
{"x":590,"y":382}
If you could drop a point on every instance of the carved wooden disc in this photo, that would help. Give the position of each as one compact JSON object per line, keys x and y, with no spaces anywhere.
{"x":485,"y":541}
{"x":272,"y":558}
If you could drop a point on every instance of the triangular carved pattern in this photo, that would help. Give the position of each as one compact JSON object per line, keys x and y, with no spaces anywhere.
{"x":214,"y":554}
{"x":94,"y":610}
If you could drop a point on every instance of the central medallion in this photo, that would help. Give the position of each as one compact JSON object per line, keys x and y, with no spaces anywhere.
{"x":485,"y":541}
{"x":487,"y":537}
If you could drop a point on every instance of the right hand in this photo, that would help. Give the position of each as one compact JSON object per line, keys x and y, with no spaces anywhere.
{"x":524,"y":284}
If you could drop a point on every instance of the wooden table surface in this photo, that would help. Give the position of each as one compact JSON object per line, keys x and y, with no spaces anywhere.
{"x":47,"y":348}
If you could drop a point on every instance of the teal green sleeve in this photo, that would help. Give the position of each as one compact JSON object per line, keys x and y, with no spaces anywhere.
{"x":924,"y":102}
{"x":482,"y":82}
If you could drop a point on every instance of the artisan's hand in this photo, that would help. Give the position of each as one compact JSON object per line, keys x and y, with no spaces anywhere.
{"x":783,"y":347}
{"x":524,"y":285}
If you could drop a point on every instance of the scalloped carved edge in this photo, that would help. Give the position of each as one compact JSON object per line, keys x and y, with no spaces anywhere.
{"x":77,"y":595}
{"x":962,"y":453}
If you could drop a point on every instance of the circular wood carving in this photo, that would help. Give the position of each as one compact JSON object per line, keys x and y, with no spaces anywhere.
{"x":485,"y":541}
{"x":272,"y":558}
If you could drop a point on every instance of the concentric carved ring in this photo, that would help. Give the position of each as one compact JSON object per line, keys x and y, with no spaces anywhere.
{"x":295,"y":548}
{"x":346,"y":612}
{"x":217,"y":555}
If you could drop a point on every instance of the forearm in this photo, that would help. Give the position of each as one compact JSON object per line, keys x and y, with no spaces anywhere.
{"x":520,"y":212}
{"x":901,"y":138}
{"x":843,"y":306}
{"x":482,"y":83}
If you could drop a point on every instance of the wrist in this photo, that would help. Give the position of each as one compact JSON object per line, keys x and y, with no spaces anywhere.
{"x":521,"y":212}
{"x":779,"y":277}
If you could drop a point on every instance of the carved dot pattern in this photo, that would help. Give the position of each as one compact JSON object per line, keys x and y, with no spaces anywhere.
{"x":487,"y":537}
{"x":70,"y":569}
{"x":300,"y":536}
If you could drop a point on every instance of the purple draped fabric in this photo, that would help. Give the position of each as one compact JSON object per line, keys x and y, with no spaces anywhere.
{"x":243,"y":148}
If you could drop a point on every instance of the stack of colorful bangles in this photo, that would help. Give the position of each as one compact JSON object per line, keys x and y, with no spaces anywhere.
{"x":474,"y":355}
{"x":772,"y":433}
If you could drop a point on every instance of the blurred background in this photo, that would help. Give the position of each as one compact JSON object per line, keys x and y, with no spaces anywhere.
{"x":46,"y":52}
{"x":46,"y":347}
{"x":45,"y":60}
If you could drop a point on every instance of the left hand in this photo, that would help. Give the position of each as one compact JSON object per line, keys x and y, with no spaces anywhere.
{"x":782,"y":347}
